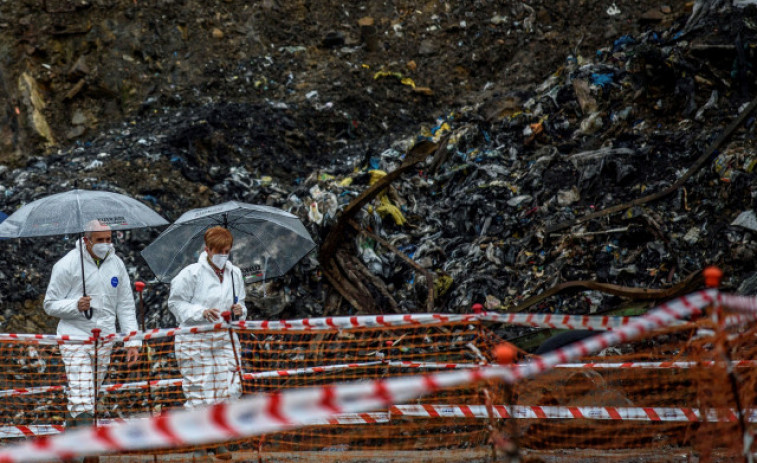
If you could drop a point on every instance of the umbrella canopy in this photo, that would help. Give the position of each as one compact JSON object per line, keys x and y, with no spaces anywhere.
{"x":267,"y":241}
{"x":69,"y":212}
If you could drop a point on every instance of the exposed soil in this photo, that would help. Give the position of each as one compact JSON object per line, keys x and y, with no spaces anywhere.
{"x":187,"y":103}
{"x":115,"y":61}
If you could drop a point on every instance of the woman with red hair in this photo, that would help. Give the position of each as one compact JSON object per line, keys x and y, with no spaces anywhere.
{"x":200,"y":293}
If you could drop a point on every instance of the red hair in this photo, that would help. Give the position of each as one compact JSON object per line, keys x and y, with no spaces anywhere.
{"x":218,"y":238}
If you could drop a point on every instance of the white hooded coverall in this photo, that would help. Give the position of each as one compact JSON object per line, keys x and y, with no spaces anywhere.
{"x":206,"y":360}
{"x":109,"y":287}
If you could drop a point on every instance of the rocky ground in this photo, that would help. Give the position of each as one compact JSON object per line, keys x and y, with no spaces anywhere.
{"x":547,"y":111}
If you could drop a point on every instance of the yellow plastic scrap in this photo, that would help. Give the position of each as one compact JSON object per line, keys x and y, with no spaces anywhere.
{"x":376,"y":175}
{"x":262,"y":82}
{"x":346,"y":181}
{"x":404,"y":80}
{"x":442,"y":284}
{"x":387,"y":208}
{"x":387,"y":74}
{"x":408,"y":81}
{"x":440,"y":131}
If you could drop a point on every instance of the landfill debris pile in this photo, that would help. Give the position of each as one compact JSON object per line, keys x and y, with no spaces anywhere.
{"x":651,"y":132}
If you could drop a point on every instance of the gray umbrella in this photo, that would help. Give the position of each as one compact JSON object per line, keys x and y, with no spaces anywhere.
{"x":267,"y":241}
{"x":69,"y":212}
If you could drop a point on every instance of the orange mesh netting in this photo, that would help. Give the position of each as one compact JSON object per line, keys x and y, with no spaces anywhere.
{"x":670,"y":391}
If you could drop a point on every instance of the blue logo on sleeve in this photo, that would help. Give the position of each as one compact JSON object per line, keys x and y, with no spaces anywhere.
{"x":114,"y":282}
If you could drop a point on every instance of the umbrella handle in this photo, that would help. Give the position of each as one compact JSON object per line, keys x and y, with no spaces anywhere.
{"x":234,"y":292}
{"x":88,"y":312}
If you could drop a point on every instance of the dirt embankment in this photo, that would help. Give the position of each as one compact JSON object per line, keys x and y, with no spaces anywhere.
{"x":186,"y":103}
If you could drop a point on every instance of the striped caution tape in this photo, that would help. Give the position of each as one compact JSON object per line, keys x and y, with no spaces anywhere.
{"x":346,"y":366}
{"x":7,"y":432}
{"x":266,"y":413}
{"x":45,"y":339}
{"x":363,"y":321}
{"x":164,"y":332}
{"x":733,"y":302}
{"x":177,"y":382}
{"x":309,"y":370}
{"x":660,"y":365}
{"x":432,"y":365}
{"x":155,"y":384}
{"x":588,"y":322}
{"x":53,"y":339}
{"x":662,"y":316}
{"x":553,"y":321}
{"x":31,"y":391}
{"x":352,"y":418}
{"x":137,"y":385}
{"x":345,"y":323}
{"x":557,"y":321}
{"x":667,"y":414}
{"x":430,"y":411}
{"x":733,"y":320}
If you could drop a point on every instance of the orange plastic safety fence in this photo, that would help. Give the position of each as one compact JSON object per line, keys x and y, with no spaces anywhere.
{"x":626,"y":401}
{"x":675,"y":386}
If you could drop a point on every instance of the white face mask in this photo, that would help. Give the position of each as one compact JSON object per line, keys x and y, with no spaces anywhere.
{"x":101,"y":250}
{"x":219,"y":260}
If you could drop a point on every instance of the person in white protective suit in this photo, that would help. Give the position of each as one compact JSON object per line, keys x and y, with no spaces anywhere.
{"x":200,"y":293}
{"x":109,"y":296}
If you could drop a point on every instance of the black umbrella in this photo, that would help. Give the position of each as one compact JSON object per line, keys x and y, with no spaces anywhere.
{"x":267,"y":241}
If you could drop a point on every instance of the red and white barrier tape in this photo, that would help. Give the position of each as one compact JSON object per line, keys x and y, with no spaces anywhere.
{"x":362,"y":321}
{"x":527,"y":412}
{"x":746,"y":304}
{"x":8,"y":432}
{"x":660,"y":365}
{"x":164,"y":332}
{"x":177,"y":382}
{"x":733,"y":320}
{"x":45,"y":339}
{"x":308,"y":370}
{"x":262,"y":414}
{"x":557,"y":321}
{"x":31,"y":391}
{"x":587,"y":322}
{"x":385,"y":321}
{"x":432,"y":365}
{"x":156,"y":384}
{"x":53,"y":339}
{"x":347,"y":366}
{"x":733,"y":302}
{"x":668,"y":414}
